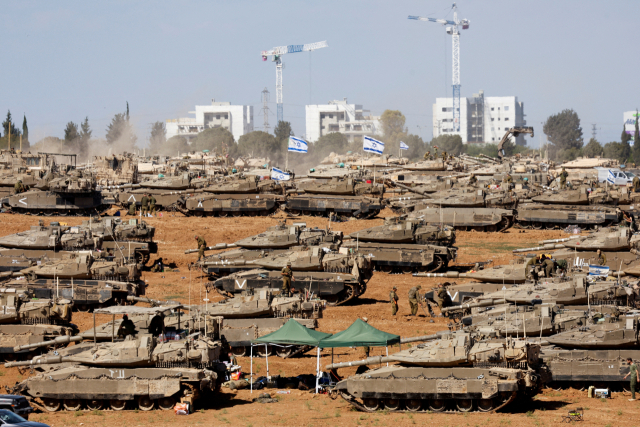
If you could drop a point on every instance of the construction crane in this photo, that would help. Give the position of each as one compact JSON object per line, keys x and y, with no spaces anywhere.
{"x":453,"y":30}
{"x":276,"y":53}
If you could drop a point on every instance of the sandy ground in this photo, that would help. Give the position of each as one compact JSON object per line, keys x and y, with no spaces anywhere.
{"x":175,"y":233}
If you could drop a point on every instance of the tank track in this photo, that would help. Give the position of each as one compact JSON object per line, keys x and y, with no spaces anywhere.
{"x":423,"y":409}
{"x":60,"y":212}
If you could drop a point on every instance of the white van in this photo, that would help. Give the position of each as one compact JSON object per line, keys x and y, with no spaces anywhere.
{"x":614,"y":176}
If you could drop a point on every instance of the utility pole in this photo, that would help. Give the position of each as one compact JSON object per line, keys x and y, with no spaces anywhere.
{"x":594,"y":131}
{"x":265,"y":110}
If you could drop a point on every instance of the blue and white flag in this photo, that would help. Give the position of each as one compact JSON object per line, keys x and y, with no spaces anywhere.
{"x":611,"y":177}
{"x":278,"y":175}
{"x":598,"y":270}
{"x":403,"y":146}
{"x":298,"y":145}
{"x":373,"y":145}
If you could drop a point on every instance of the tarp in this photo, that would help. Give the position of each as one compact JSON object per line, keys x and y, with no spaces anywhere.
{"x":360,"y":334}
{"x":293,"y":333}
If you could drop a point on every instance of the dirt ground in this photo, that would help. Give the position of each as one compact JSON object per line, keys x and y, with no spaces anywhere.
{"x":175,"y":233}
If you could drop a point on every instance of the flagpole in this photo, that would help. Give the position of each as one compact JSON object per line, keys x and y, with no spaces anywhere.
{"x":286,"y":162}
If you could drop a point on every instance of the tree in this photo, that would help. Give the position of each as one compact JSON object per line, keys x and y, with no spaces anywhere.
{"x":625,"y":137}
{"x":452,"y":144}
{"x":218,"y":139}
{"x":282,"y":133}
{"x":393,"y":130}
{"x":592,"y":149}
{"x":158,"y":136}
{"x":85,"y":131}
{"x":174,"y":145}
{"x":258,"y":144}
{"x":417,"y":147}
{"x":71,"y":135}
{"x":617,"y":150}
{"x":9,"y":126}
{"x":121,"y":131}
{"x":334,"y":142}
{"x":563,"y":130}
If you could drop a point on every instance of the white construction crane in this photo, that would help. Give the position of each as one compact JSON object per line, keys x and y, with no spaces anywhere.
{"x":455,"y":57}
{"x":277,"y":52}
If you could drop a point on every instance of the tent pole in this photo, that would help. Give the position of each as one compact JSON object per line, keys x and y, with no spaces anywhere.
{"x":251,"y":353}
{"x":387,"y":347}
{"x":317,"y":369}
{"x":266,"y":356}
{"x":332,"y":355}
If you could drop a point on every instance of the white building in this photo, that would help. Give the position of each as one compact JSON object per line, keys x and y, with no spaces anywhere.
{"x":237,"y":119}
{"x":482,"y":119}
{"x":629,"y":118}
{"x":339,"y":116}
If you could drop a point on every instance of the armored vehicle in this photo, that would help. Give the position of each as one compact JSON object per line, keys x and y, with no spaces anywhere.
{"x":222,"y":205}
{"x":340,"y":187}
{"x":623,"y":263}
{"x":405,"y":258}
{"x":507,"y":273}
{"x":579,"y":196}
{"x":245,"y":184}
{"x":361,"y":207}
{"x":167,"y":190}
{"x":83,"y":266}
{"x":605,"y":239}
{"x":115,"y":169}
{"x":335,"y":288}
{"x":609,"y":332}
{"x":427,"y":165}
{"x":456,"y":372}
{"x":400,"y":230}
{"x":539,"y":216}
{"x":149,"y":370}
{"x":478,"y":219}
{"x":114,"y":228}
{"x":27,"y":320}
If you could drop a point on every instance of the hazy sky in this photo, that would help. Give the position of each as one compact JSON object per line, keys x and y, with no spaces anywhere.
{"x":65,"y":60}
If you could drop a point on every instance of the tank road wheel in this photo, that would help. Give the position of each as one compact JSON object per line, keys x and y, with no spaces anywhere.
{"x":239,"y":351}
{"x":260,"y":351}
{"x":492,"y":228}
{"x":166,"y":403}
{"x":371,"y":404}
{"x":464,"y":405}
{"x":223,"y":214}
{"x":117,"y":405}
{"x":407,"y":269}
{"x":437,"y":405}
{"x":386,"y":268}
{"x":72,"y":404}
{"x":84,"y":308}
{"x":236,"y":214}
{"x":437,"y":264}
{"x":392,"y":404}
{"x":95,"y":405}
{"x":51,"y":405}
{"x":145,"y":403}
{"x":285,"y":351}
{"x":537,"y":225}
{"x":413,"y":405}
{"x":485,"y":405}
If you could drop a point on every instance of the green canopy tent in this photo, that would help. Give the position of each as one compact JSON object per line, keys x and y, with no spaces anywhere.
{"x":291,"y":333}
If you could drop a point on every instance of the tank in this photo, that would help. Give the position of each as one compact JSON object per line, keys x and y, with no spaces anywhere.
{"x":404,"y":258}
{"x":609,"y":332}
{"x":245,"y":184}
{"x":507,"y":273}
{"x":400,"y":230}
{"x":360,"y":207}
{"x":335,"y":288}
{"x":147,"y":372}
{"x":83,"y":266}
{"x":623,"y":263}
{"x":222,"y":205}
{"x":539,"y":216}
{"x":335,"y":186}
{"x":115,"y":169}
{"x":466,"y":219}
{"x":606,"y":239}
{"x":67,"y":196}
{"x":578,"y":196}
{"x":115,"y":228}
{"x":427,"y":165}
{"x":457,"y":372}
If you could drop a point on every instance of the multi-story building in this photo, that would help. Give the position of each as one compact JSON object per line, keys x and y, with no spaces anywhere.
{"x":482,"y":119}
{"x":339,"y":116}
{"x":237,"y":119}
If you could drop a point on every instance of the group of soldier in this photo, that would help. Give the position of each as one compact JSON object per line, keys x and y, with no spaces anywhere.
{"x":147,"y":206}
{"x":440,"y":296}
{"x":544,"y":265}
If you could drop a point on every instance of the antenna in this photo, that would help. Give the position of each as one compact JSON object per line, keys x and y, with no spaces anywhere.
{"x":265,"y":110}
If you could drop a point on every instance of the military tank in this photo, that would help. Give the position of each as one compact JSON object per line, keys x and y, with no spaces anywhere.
{"x":147,"y":371}
{"x":426,"y":165}
{"x":539,"y":216}
{"x":454,"y":373}
{"x":605,"y":239}
{"x":335,"y":186}
{"x":404,"y":258}
{"x":466,"y":219}
{"x":245,"y":184}
{"x":402,"y":230}
{"x":513,"y":273}
{"x":335,"y":288}
{"x":83,"y":266}
{"x":199,"y":203}
{"x":613,"y":333}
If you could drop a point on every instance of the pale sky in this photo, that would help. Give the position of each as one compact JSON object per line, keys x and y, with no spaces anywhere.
{"x":64,"y":60}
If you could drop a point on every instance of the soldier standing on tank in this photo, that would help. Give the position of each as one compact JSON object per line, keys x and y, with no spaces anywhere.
{"x":602,"y":259}
{"x":472,"y":179}
{"x":635,"y":378}
{"x":202,"y":245}
{"x":413,"y":299}
{"x":18,"y":187}
{"x":393,"y":298}
{"x":427,"y":156}
{"x":287,"y":277}
{"x":508,"y":180}
{"x":631,"y":223}
{"x":635,"y":184}
{"x":549,"y":265}
{"x":144,"y":205}
{"x":152,"y":205}
{"x":126,"y":327}
{"x":132,"y":208}
{"x":563,"y":179}
{"x":444,"y":156}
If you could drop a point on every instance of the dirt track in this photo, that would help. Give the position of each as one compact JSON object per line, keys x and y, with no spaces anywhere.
{"x":175,"y":233}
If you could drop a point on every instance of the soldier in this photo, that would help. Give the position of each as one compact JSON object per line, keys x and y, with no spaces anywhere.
{"x":287,"y":277}
{"x":435,"y":151}
{"x":508,"y":180}
{"x":563,"y":179}
{"x":202,"y":245}
{"x":152,"y":205}
{"x":444,"y":156}
{"x":633,"y":371}
{"x":441,"y":297}
{"x":427,"y":156}
{"x":413,"y":299}
{"x":158,"y":267}
{"x":126,"y":327}
{"x":472,"y":179}
{"x":132,"y":209}
{"x":393,"y":299}
{"x":635,"y":184}
{"x":549,"y":266}
{"x":18,"y":187}
{"x":144,"y":205}
{"x":602,"y":260}
{"x":630,"y":221}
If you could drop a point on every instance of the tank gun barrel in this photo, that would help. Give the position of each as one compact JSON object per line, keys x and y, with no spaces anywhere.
{"x":153,"y":302}
{"x":48,"y":360}
{"x":544,"y":242}
{"x":483,"y":303}
{"x":213,"y":248}
{"x":60,"y":340}
{"x":228,"y":263}
{"x":449,"y":274}
{"x":413,"y":190}
{"x":420,"y":338}
{"x":367,"y":361}
{"x":128,"y":186}
{"x":492,"y":159}
{"x":538,"y":248}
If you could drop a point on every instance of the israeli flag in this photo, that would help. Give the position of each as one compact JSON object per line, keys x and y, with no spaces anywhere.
{"x":298,"y":145}
{"x":403,"y":146}
{"x":278,"y":175}
{"x":611,"y":177}
{"x":598,"y":270}
{"x":373,"y":145}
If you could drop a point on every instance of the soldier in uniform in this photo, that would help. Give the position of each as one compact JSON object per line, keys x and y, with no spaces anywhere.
{"x":158,"y":267}
{"x":549,"y":265}
{"x":393,"y":298}
{"x":635,"y":184}
{"x":427,"y":156}
{"x":18,"y":187}
{"x":132,"y":209}
{"x":287,"y":277}
{"x":635,"y":378}
{"x":508,"y":180}
{"x":441,"y":297}
{"x":126,"y":327}
{"x":413,"y":299}
{"x":152,"y":205}
{"x":144,"y":205}
{"x":602,"y":259}
{"x":472,"y":179}
{"x":563,"y":179}
{"x":202,"y":245}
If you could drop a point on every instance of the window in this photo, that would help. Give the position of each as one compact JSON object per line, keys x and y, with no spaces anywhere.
{"x":493,"y":139}
{"x":322,"y":116}
{"x":492,"y":119}
{"x":506,"y":118}
{"x":498,"y":108}
{"x":498,"y":118}
{"x":493,"y":129}
{"x":321,"y":127}
{"x":331,"y":116}
{"x":217,"y":116}
{"x":506,"y":128}
{"x":491,"y":108}
{"x":506,"y":108}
